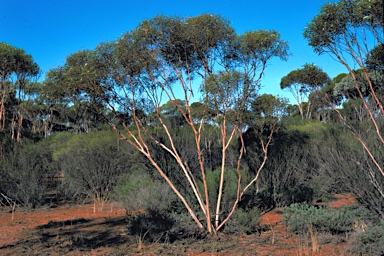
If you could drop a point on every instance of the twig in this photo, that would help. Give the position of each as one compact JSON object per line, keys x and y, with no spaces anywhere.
{"x":11,"y":204}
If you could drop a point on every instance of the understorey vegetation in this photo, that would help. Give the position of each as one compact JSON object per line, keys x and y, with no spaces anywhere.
{"x":169,"y":121}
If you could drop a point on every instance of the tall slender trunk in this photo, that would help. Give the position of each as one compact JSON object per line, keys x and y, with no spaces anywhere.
{"x":2,"y":107}
{"x":19,"y":126}
{"x":13,"y":125}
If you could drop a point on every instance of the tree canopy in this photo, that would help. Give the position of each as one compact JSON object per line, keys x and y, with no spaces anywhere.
{"x":302,"y":82}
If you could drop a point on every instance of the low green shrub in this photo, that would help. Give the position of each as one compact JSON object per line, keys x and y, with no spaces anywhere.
{"x":150,"y":226}
{"x":140,"y":192}
{"x":229,"y":188}
{"x":22,"y":176}
{"x":244,"y":221}
{"x":298,"y":217}
{"x":369,"y":241}
{"x":160,"y":226}
{"x":153,"y":210}
{"x":248,"y":219}
{"x":184,"y":228}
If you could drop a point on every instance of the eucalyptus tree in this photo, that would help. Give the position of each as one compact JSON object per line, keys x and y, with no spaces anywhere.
{"x":353,"y":104}
{"x":269,"y":106}
{"x":72,"y":92}
{"x":16,"y":67}
{"x":174,"y":60}
{"x":302,"y":82}
{"x":320,"y":99}
{"x":350,"y":31}
{"x":375,"y":58}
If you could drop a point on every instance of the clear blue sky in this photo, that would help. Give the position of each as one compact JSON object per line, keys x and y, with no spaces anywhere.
{"x":51,"y":30}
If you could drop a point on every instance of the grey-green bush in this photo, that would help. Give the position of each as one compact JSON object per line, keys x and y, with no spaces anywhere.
{"x":298,"y":217}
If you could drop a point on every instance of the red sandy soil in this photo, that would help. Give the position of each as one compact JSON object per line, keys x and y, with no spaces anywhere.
{"x":342,"y":200}
{"x":77,"y":230}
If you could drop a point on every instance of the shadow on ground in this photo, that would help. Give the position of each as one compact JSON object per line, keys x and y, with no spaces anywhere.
{"x":79,"y":235}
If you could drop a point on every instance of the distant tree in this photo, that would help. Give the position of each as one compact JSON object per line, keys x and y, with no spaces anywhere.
{"x":16,"y":67}
{"x":330,"y":91}
{"x":302,"y":82}
{"x":270,"y":107}
{"x":72,"y":93}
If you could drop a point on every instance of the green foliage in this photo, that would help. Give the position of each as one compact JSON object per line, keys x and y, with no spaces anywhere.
{"x":91,"y":163}
{"x":299,"y":217}
{"x":310,"y":78}
{"x":268,"y":105}
{"x":226,"y":91}
{"x":314,"y":159}
{"x":267,"y":110}
{"x":154,"y":212}
{"x":135,"y":74}
{"x":347,"y":85}
{"x":64,"y":142}
{"x":311,"y":129}
{"x":309,"y":158}
{"x":151,"y":226}
{"x":184,"y":229}
{"x":247,"y":220}
{"x":306,"y":83}
{"x":15,"y":61}
{"x":59,"y":142}
{"x":343,"y":166}
{"x":72,"y":94}
{"x":335,"y":20}
{"x":375,"y":59}
{"x":286,"y":176}
{"x":230,"y":186}
{"x":207,"y":33}
{"x":16,"y":68}
{"x":369,"y":241}
{"x":22,"y":175}
{"x":262,"y":45}
{"x":139,"y":191}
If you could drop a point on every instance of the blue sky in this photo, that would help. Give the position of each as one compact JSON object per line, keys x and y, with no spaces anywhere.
{"x":51,"y":30}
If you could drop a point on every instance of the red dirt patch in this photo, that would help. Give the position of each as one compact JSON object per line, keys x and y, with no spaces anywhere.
{"x":343,"y":200}
{"x":282,"y":242}
{"x":271,"y":218}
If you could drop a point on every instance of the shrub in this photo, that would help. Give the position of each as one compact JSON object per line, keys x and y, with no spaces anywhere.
{"x":371,"y":241}
{"x":247,"y":220}
{"x":91,"y":163}
{"x":298,"y":217}
{"x":184,"y":228}
{"x":286,"y":177}
{"x":150,"y":226}
{"x":229,"y":188}
{"x":140,"y":192}
{"x":153,"y":211}
{"x":22,"y":176}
